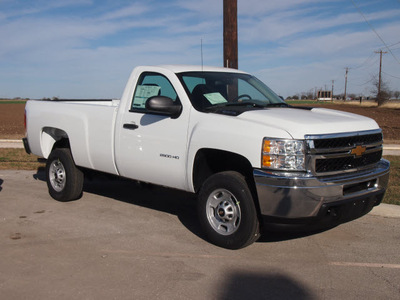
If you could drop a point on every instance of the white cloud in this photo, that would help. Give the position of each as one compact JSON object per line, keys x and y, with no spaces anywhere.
{"x":24,"y":8}
{"x":133,"y":10}
{"x":292,"y":22}
{"x":205,"y":9}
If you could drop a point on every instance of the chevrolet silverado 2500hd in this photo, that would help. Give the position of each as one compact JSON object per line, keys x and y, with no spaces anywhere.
{"x":220,"y":133}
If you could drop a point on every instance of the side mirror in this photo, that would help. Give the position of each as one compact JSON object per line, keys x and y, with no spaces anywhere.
{"x":162,"y":105}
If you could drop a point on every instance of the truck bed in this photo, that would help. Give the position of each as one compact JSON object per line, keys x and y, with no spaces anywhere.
{"x":89,"y":125}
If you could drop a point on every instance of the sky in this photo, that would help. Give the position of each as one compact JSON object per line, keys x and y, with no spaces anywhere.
{"x":88,"y":48}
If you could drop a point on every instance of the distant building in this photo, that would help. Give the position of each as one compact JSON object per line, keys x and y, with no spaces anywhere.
{"x":324,"y":95}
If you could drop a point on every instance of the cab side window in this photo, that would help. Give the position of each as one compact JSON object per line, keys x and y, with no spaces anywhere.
{"x":150,"y":85}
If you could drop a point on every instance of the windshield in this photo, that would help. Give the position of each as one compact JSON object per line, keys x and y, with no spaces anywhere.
{"x":209,"y":90}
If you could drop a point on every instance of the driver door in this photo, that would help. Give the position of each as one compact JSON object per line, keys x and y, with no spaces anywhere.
{"x":152,"y":148}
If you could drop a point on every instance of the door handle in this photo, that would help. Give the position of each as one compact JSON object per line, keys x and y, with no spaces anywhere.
{"x":130,"y":126}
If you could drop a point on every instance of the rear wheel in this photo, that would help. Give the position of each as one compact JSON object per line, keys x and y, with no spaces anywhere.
{"x":64,"y":179}
{"x":227,"y":212}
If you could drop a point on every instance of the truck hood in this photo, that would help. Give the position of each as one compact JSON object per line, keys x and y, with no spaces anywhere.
{"x":300,"y":122}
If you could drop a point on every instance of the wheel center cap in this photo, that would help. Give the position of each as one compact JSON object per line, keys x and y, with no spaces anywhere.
{"x":221,"y":212}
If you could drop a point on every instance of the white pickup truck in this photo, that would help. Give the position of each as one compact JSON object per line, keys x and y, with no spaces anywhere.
{"x":220,"y":133}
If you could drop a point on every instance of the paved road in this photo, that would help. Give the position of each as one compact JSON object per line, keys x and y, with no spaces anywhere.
{"x":125,"y":241}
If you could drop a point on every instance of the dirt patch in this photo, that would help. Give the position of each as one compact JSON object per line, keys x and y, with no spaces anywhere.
{"x":12,"y":119}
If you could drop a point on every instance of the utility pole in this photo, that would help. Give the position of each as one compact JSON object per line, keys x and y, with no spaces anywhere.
{"x":379,"y":96}
{"x":345,"y":84}
{"x":333,"y":81}
{"x":230,"y":34}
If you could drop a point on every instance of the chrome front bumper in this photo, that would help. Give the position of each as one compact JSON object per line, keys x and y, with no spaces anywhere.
{"x":301,"y":195}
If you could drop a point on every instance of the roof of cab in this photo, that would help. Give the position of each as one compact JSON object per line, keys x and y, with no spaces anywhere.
{"x":195,"y":68}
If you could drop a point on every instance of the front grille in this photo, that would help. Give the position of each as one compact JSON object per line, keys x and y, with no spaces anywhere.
{"x":346,"y":163}
{"x":347,"y":141}
{"x":330,"y":154}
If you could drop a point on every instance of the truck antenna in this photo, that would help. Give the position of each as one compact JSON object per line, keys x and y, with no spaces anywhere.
{"x":201,"y":51}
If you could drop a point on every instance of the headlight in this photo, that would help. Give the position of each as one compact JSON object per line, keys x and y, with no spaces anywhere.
{"x":283,"y":154}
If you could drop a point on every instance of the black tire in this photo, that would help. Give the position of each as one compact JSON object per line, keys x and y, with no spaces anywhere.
{"x":64,"y":179}
{"x":227,"y":212}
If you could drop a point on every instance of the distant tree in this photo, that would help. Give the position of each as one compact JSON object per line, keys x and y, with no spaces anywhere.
{"x":396,"y":94}
{"x":307,"y":95}
{"x":383,"y":95}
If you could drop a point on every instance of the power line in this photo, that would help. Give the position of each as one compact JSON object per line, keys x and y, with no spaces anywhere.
{"x":365,"y":83}
{"x":373,"y":29}
{"x":365,"y":62}
{"x":390,"y":75}
{"x":394,"y":43}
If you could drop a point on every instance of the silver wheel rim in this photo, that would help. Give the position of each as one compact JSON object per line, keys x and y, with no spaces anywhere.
{"x":57,"y":175}
{"x":223,"y":212}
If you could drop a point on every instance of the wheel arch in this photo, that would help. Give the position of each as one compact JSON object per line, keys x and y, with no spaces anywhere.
{"x":211,"y":161}
{"x":53,"y":138}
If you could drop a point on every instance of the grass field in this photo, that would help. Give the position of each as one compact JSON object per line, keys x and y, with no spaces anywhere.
{"x":17,"y":159}
{"x":2,"y":101}
{"x":393,"y":193}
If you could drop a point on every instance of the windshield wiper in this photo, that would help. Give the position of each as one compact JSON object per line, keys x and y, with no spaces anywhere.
{"x":245,"y":103}
{"x":234,"y":104}
{"x":278,"y":105}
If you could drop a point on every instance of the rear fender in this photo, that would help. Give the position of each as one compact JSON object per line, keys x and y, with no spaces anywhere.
{"x":49,"y":137}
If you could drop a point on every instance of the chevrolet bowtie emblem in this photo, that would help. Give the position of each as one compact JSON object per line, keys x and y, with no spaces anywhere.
{"x":359,"y":150}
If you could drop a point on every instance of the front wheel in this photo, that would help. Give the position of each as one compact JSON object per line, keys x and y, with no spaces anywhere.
{"x":64,"y":179}
{"x":227,"y":212}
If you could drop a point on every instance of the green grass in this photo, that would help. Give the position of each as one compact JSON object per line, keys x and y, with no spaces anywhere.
{"x":393,"y":193}
{"x":12,"y":101}
{"x":17,"y":159}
